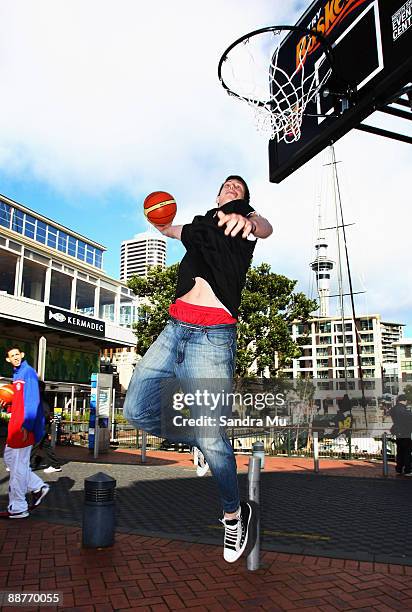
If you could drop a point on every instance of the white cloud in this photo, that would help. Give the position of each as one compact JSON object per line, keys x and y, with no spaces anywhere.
{"x":104,"y":95}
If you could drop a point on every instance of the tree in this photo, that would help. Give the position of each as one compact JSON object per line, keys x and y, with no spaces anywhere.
{"x":269,"y":305}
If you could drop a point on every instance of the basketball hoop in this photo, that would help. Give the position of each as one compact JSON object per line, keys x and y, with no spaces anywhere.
{"x":277,"y":87}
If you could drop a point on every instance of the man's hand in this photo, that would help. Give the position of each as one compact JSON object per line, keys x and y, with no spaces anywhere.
{"x":25,"y":434}
{"x":236,"y":223}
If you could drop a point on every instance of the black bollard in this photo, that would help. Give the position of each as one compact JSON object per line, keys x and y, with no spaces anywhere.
{"x":99,"y":511}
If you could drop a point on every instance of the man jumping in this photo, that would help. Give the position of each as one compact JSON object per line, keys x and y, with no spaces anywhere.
{"x":198,"y":345}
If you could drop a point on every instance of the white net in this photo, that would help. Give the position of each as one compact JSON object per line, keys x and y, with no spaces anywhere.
{"x":277,"y":88}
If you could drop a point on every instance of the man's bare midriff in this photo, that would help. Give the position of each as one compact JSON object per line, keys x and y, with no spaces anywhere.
{"x":202,"y":295}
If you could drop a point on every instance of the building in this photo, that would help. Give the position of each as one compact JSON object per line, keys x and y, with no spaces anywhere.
{"x":141,"y":252}
{"x":404,"y":362}
{"x":56,"y":301}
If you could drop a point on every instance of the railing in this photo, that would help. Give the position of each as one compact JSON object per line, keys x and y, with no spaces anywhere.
{"x":294,"y":441}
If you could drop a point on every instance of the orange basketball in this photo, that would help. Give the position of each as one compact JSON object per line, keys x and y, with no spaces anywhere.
{"x":6,"y":393}
{"x":160,"y":208}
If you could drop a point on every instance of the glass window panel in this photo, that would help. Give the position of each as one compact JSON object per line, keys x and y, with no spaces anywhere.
{"x":51,"y":236}
{"x":90,"y":255}
{"x":72,"y":246}
{"x":29,"y":226}
{"x":62,"y":242}
{"x":8,"y":263}
{"x":34,"y":278}
{"x":41,"y":232}
{"x":5,"y":214}
{"x":85,"y":298}
{"x":68,"y":364}
{"x":98,"y":258}
{"x":60,"y":290}
{"x":17,"y":224}
{"x":106,"y":305}
{"x":81,"y":250}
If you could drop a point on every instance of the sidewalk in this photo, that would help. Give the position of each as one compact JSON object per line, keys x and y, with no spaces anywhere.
{"x":158,"y":575}
{"x":331,"y":467}
{"x":340,"y":524}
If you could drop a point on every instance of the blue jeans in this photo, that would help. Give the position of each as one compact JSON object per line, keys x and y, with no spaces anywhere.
{"x":189,"y":358}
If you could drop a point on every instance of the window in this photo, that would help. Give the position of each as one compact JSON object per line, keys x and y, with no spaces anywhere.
{"x":367,"y":338}
{"x":41,"y":232}
{"x":340,"y":363}
{"x":30,"y":226}
{"x":98,"y":258}
{"x":85,"y":293}
{"x":324,"y":328}
{"x":90,"y":255}
{"x":322,"y":352}
{"x":406,"y":351}
{"x":8,"y":263}
{"x":72,"y":246}
{"x":34,"y":277}
{"x":81,"y":250}
{"x":367,"y":361}
{"x":5,"y":214}
{"x":366,"y":324}
{"x":60,"y":290}
{"x":340,"y":350}
{"x":406,"y":365}
{"x":51,"y":237}
{"x":325,"y":340}
{"x":127,"y":312}
{"x":322,"y":363}
{"x":106,"y":306}
{"x":17,"y":224}
{"x":62,"y":242}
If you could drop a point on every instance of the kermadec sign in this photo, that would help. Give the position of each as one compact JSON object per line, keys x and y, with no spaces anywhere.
{"x":54,"y":317}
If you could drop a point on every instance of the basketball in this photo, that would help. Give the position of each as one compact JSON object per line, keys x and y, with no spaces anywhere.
{"x":160,"y":208}
{"x":6,"y":394}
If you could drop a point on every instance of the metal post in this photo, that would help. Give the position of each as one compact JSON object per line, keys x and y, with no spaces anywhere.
{"x":96,"y":437}
{"x":385,"y":453}
{"x":253,"y":558}
{"x":72,"y":405}
{"x":112,"y":438}
{"x":316,"y":451}
{"x":143,"y":452}
{"x":53,"y":434}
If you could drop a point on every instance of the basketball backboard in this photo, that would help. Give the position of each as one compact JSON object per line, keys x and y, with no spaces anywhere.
{"x":372,"y":49}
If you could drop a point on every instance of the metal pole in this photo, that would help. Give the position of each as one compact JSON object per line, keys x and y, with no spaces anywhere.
{"x":143,"y":452}
{"x":53,"y":434}
{"x":113,"y":415}
{"x":385,"y":453}
{"x":316,"y":451}
{"x":253,"y":559}
{"x":72,"y":405}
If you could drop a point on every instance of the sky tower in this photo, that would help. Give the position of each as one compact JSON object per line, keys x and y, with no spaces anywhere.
{"x":322,"y":267}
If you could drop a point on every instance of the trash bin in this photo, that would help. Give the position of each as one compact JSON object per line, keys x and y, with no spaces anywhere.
{"x":99,"y":511}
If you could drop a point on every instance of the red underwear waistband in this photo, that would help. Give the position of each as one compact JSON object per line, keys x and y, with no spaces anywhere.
{"x":200,"y":315}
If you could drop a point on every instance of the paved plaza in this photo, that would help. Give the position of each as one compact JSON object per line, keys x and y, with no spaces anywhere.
{"x":337,"y":540}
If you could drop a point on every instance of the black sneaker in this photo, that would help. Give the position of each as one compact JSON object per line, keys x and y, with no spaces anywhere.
{"x":38,"y":496}
{"x":237,"y":533}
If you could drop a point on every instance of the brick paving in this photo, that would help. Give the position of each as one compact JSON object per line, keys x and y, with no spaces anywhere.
{"x":155,"y":572}
{"x":141,"y":573}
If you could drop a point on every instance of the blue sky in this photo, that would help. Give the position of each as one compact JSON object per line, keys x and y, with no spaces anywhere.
{"x":104,"y":102}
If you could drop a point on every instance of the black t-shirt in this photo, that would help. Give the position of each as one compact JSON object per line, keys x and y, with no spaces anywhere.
{"x":220,"y":260}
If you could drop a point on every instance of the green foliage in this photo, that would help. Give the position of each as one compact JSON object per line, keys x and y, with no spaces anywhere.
{"x":159,"y":287}
{"x":269,"y":305}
